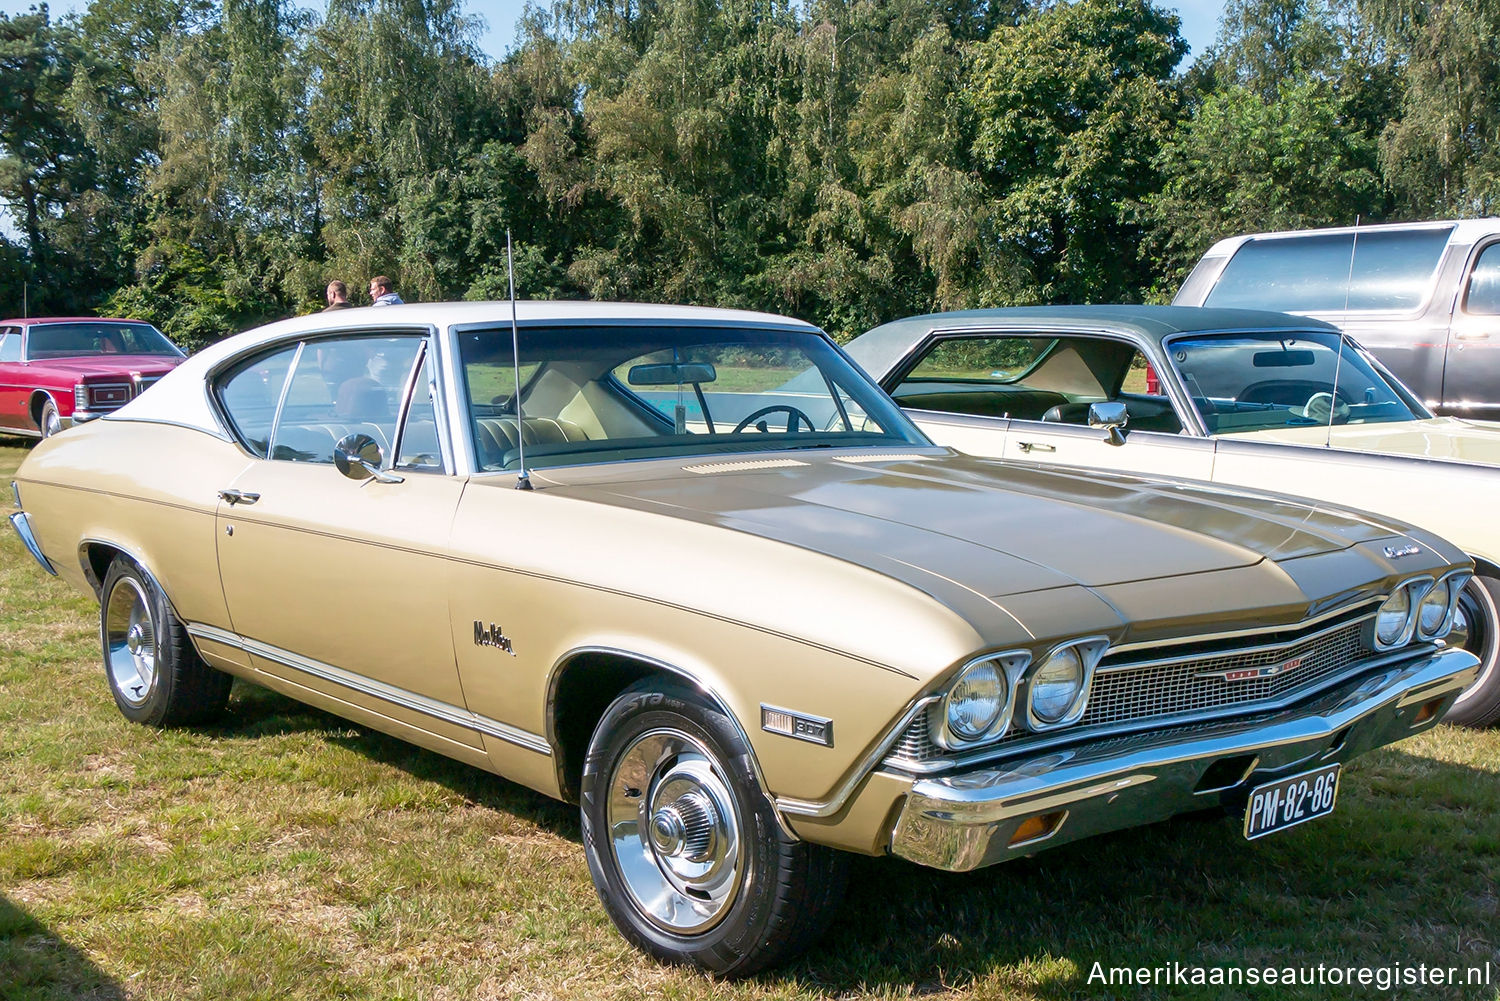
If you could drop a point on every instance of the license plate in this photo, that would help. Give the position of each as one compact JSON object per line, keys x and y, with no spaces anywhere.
{"x":1288,"y":802}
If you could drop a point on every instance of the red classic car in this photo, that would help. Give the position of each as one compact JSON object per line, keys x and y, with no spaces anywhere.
{"x":62,"y":370}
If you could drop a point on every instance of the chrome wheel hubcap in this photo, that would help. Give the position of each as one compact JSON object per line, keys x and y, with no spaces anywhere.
{"x":674,"y":831}
{"x":51,"y":423}
{"x":130,"y":642}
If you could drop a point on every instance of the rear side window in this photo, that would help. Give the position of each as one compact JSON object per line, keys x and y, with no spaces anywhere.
{"x":1392,"y":270}
{"x":10,"y":346}
{"x":250,"y":395}
{"x":1484,"y":283}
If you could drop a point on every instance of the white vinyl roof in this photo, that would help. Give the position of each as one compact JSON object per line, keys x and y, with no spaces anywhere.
{"x":181,"y":397}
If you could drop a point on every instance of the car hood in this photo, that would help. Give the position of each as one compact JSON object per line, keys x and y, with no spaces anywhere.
{"x":107,"y":364}
{"x":992,"y":527}
{"x":1437,"y":438}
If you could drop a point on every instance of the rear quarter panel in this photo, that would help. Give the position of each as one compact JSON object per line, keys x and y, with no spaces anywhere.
{"x":149,"y":489}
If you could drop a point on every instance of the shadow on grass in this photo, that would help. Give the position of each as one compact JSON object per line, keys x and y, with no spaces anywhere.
{"x":1368,"y":886}
{"x":36,"y":964}
{"x":1406,"y":871}
{"x":260,"y":711}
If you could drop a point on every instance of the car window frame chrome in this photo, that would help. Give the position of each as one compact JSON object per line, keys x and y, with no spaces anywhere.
{"x":1171,"y":373}
{"x":1150,"y":347}
{"x":458,"y":390}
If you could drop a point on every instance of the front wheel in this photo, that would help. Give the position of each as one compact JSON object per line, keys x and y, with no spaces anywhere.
{"x":683,"y":846}
{"x":48,"y":420}
{"x":1476,"y":628}
{"x":154,"y":672}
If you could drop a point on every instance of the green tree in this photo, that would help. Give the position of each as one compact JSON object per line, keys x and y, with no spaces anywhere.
{"x":1072,"y":105}
{"x":1442,"y":152}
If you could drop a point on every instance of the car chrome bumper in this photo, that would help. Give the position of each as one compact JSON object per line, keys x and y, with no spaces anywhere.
{"x":987,"y":815}
{"x":22,"y":521}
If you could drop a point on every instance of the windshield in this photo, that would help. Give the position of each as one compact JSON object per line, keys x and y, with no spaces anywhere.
{"x":72,"y":340}
{"x":601,"y":394}
{"x":1258,"y":382}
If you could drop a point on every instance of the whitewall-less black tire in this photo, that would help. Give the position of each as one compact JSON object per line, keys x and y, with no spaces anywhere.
{"x":154,"y":673}
{"x":1476,"y":628}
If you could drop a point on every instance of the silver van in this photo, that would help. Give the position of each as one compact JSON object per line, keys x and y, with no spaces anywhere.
{"x":1424,"y":297}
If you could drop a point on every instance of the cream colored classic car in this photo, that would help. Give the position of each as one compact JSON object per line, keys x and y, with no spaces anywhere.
{"x":1240,"y":397}
{"x":703,"y":577}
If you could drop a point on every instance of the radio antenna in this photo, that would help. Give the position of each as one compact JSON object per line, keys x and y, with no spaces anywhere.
{"x":523,"y":482}
{"x":1338,"y":362}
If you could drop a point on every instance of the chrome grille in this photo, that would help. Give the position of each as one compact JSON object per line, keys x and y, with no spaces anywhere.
{"x":916,"y":742}
{"x":1132,"y":693}
{"x":143,"y":384}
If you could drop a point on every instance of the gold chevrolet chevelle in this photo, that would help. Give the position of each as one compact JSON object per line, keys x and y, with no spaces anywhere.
{"x":692,"y":569}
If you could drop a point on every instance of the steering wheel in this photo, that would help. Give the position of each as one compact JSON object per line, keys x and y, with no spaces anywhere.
{"x":1323,"y":408}
{"x":793,"y":418}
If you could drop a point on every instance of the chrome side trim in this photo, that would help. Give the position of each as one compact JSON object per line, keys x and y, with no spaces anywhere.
{"x":555,"y":675}
{"x":444,"y":711}
{"x":22,"y":522}
{"x":866,"y":765}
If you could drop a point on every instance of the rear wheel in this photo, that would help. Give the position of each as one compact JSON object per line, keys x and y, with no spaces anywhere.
{"x":683,"y":845}
{"x":154,"y":672}
{"x":1476,"y":628}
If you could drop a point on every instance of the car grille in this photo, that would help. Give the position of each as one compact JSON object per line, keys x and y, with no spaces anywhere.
{"x":1129,"y":689}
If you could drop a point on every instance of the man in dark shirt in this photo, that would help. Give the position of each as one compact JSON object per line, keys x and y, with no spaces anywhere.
{"x":338,"y":295}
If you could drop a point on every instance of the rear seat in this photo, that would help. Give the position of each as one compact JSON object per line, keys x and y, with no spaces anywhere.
{"x":1022,"y":404}
{"x":496,"y":436}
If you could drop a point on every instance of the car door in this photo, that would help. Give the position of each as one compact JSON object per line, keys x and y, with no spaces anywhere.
{"x":336,"y":584}
{"x":1471,"y":375}
{"x":12,"y":392}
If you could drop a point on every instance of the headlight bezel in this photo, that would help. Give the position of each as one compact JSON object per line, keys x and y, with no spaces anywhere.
{"x":1416,"y":589}
{"x":1011,"y":664}
{"x":1455,"y":581}
{"x":1090,"y":650}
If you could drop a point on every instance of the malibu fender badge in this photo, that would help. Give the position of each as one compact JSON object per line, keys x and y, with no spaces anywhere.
{"x":800,"y":726}
{"x":491,"y":635}
{"x":1396,"y":552}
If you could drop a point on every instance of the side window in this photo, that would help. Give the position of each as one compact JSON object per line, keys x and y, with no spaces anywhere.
{"x":979,"y":359}
{"x":10,"y":345}
{"x":250,"y":394}
{"x":343,"y":386}
{"x":1390,"y":270}
{"x":1484,"y":283}
{"x":420,"y":449}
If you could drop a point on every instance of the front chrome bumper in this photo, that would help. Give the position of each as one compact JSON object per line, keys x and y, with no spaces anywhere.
{"x":22,"y":522}
{"x":972,"y":819}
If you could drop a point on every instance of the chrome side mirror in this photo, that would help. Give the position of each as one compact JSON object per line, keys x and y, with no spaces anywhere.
{"x":1111,"y":416}
{"x":358,"y":457}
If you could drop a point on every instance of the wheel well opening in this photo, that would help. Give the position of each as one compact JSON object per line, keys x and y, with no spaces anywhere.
{"x":1484,"y":568}
{"x":96,"y":560}
{"x":586,"y":685}
{"x":37,"y":399}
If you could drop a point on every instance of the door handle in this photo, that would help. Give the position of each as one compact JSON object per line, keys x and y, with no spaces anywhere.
{"x":233,"y":497}
{"x":1035,"y":446}
{"x":1472,"y":335}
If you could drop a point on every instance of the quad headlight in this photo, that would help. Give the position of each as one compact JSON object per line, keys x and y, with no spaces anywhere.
{"x":979,"y":703}
{"x":1435,"y":610}
{"x":1418,"y":608}
{"x":1057,"y":689}
{"x":1393,"y":620}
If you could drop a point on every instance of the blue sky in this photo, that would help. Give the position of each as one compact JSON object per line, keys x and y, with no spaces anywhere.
{"x":1200,"y":20}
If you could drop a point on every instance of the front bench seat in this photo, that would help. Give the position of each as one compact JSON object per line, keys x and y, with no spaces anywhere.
{"x":496,"y":436}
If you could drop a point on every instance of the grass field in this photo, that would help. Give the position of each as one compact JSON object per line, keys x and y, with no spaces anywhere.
{"x":285,"y":853}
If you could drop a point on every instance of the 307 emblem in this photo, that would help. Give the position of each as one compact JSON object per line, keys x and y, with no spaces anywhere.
{"x":491,"y":635}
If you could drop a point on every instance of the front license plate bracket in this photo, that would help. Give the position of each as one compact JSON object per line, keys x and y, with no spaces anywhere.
{"x":1288,"y":802}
